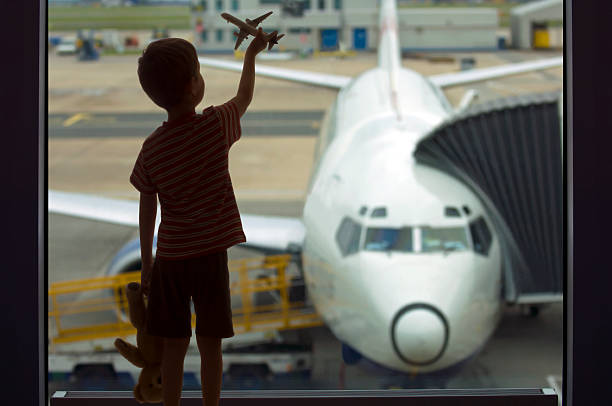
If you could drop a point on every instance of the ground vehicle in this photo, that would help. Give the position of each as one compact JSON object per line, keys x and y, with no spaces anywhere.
{"x":67,"y":46}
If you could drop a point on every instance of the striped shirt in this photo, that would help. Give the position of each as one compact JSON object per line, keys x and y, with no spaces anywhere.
{"x":186,"y":163}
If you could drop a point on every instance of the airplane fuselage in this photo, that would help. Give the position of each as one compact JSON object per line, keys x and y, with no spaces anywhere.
{"x":418,"y":304}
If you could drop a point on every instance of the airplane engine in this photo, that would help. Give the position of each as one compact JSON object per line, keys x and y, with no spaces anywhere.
{"x":125,"y":261}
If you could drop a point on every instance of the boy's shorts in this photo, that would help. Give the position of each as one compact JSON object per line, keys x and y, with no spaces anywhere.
{"x":173,"y":282}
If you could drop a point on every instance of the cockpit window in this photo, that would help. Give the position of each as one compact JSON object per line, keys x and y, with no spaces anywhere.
{"x":444,"y":239}
{"x":389,"y":239}
{"x":348,"y":236}
{"x":481,"y":236}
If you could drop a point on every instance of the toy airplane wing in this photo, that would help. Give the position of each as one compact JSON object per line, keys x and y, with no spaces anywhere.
{"x":240,"y":36}
{"x":310,"y":78}
{"x":259,"y":19}
{"x":478,"y":75}
{"x":266,"y":233}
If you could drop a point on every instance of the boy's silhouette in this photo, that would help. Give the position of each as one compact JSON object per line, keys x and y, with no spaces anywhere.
{"x":185,"y":162}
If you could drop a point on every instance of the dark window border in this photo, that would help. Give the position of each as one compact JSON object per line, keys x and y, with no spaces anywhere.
{"x":587,"y":165}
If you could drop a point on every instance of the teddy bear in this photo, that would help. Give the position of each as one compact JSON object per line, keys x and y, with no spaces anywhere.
{"x":147,"y":354}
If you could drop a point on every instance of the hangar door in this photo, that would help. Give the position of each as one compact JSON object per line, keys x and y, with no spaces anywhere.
{"x":360,"y":38}
{"x":509,"y":152}
{"x":329,"y":39}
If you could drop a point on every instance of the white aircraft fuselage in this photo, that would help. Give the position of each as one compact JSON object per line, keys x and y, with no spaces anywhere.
{"x":418,"y":306}
{"x":365,"y":158}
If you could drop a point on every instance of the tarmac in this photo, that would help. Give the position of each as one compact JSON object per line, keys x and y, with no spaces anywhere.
{"x":270,"y":173}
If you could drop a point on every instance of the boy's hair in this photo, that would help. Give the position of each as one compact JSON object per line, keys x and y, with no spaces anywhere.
{"x":165,"y":69}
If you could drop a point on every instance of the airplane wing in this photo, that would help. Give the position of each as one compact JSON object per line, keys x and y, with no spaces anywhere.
{"x":267,"y":233}
{"x":260,"y":18}
{"x":477,"y":75}
{"x":310,"y":78}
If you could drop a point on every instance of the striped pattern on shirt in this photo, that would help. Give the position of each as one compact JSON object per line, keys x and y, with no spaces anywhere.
{"x":186,"y":163}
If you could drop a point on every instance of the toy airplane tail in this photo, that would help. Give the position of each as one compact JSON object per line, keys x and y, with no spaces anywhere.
{"x":274,"y":39}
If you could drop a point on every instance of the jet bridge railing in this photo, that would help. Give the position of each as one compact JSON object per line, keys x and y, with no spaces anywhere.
{"x":263,"y":294}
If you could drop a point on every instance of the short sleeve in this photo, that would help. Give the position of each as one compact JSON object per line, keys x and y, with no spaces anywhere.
{"x":140,"y":177}
{"x":230,"y":122}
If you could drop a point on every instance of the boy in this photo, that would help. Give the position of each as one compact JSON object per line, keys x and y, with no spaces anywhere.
{"x":185,"y":162}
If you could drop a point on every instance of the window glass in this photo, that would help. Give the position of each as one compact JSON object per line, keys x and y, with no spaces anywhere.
{"x":389,"y":239}
{"x":379,"y":212}
{"x":481,"y":236}
{"x":348,"y":236}
{"x":444,"y":239}
{"x":99,"y":117}
{"x":451,"y":212}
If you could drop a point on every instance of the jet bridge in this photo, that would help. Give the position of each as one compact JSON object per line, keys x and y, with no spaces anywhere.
{"x":509,"y":151}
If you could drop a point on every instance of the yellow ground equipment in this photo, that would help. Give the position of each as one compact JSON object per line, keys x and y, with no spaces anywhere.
{"x":96,"y":308}
{"x":541,"y":36}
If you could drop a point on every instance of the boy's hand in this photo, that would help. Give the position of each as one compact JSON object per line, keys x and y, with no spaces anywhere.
{"x":260,"y":42}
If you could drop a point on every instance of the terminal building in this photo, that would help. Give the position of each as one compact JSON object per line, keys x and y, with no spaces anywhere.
{"x":327,"y":25}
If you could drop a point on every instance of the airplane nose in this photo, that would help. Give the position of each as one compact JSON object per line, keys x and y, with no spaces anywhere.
{"x":419,"y":333}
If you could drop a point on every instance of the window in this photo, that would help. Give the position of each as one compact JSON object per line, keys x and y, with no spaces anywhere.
{"x":219,"y":35}
{"x":444,"y":239}
{"x":235,"y":5}
{"x":306,"y":4}
{"x":299,"y":30}
{"x":219,"y":5}
{"x":348,"y":236}
{"x":337,"y":4}
{"x":321,"y":4}
{"x":389,"y":239}
{"x":204,"y":4}
{"x":451,"y":212}
{"x":481,"y":236}
{"x":379,"y":212}
{"x":204,"y":35}
{"x":262,"y":2}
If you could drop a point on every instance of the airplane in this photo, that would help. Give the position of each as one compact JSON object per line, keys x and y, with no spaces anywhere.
{"x":250,"y":27}
{"x":388,"y":245}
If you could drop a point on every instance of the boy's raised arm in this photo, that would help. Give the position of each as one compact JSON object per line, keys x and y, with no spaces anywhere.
{"x":247,"y":80}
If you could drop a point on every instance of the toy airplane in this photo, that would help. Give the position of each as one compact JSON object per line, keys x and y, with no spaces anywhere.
{"x":250,"y":27}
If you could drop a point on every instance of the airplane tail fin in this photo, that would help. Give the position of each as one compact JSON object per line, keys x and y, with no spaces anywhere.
{"x":274,"y":40}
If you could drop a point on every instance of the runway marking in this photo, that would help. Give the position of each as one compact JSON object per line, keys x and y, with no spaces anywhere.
{"x":75,"y":119}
